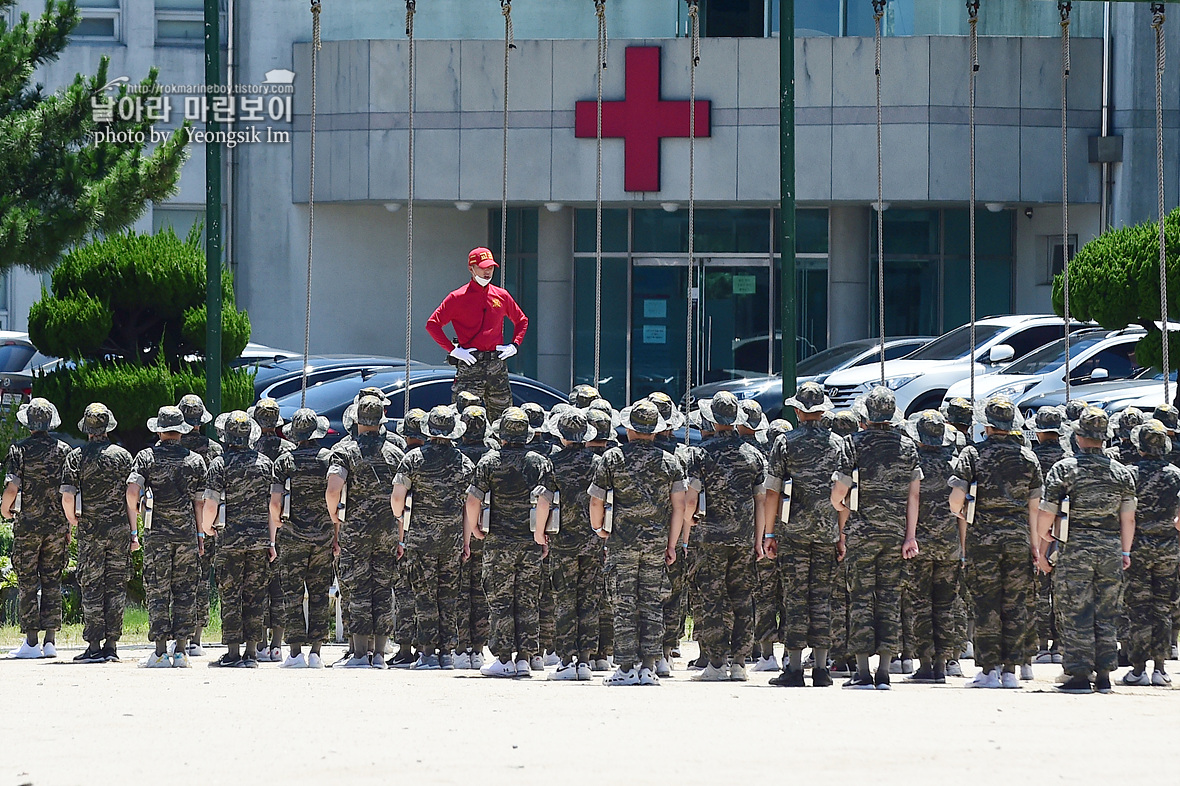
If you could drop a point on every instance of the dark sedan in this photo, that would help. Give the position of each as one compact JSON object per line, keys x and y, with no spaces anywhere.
{"x":278,"y":377}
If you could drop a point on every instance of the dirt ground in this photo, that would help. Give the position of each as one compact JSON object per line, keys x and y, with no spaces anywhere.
{"x":113,"y":723}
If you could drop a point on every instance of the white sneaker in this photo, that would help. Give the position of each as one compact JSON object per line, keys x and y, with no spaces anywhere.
{"x":895,"y":666}
{"x":276,"y":654}
{"x":463,"y":660}
{"x":647,"y":678}
{"x":1160,"y":679}
{"x":969,"y":653}
{"x":48,"y":650}
{"x":262,"y":654}
{"x":26,"y":651}
{"x":498,"y":668}
{"x":1026,"y":672}
{"x":767,"y":664}
{"x":536,"y":663}
{"x":477,"y":660}
{"x":358,"y":661}
{"x":737,"y":673}
{"x":523,"y":669}
{"x":180,"y":661}
{"x":195,"y":650}
{"x":378,"y":661}
{"x":294,"y":662}
{"x":1043,"y":656}
{"x":552,"y":659}
{"x":584,"y":673}
{"x":1009,"y":680}
{"x":985,"y":679}
{"x":1142,"y":678}
{"x":564,"y":673}
{"x":155,"y":661}
{"x":620,"y":677}
{"x":602,"y":664}
{"x":663,"y":667}
{"x":953,"y":669}
{"x":711,"y":674}
{"x":314,"y":661}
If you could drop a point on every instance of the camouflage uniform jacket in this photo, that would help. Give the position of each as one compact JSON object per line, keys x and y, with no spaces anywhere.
{"x":437,"y":474}
{"x":367,"y":463}
{"x":573,"y":472}
{"x":306,"y":467}
{"x":476,"y":450}
{"x":245,"y":477}
{"x":1098,"y":487}
{"x":271,"y":445}
{"x":732,"y":476}
{"x":198,"y":443}
{"x":1007,"y":477}
{"x":176,"y":477}
{"x":807,"y":456}
{"x":1125,"y":453}
{"x":1157,"y":489}
{"x":938,"y":529}
{"x":1049,"y":453}
{"x":888,"y":461}
{"x":516,"y":476}
{"x":643,"y":477}
{"x":35,"y":464}
{"x":98,"y":470}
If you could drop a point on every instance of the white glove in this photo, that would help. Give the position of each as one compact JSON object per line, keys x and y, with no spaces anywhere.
{"x":465,"y":355}
{"x":506,"y":350}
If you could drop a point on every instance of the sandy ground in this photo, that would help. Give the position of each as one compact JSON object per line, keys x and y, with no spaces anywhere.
{"x":65,"y":723}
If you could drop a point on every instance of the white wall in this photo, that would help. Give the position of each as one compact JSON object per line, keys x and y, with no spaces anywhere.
{"x":1032,"y":248}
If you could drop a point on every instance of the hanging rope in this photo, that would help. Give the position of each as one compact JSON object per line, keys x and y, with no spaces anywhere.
{"x":1064,"y":7}
{"x":695,"y":57}
{"x":878,"y":15}
{"x":411,"y":7}
{"x":973,"y":21}
{"x":600,"y":9}
{"x":315,"y":48}
{"x":1157,"y":24}
{"x":509,"y":45}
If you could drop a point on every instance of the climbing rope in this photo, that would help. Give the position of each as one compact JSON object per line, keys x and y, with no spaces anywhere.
{"x":509,"y":45}
{"x":411,"y":7}
{"x":600,"y":9}
{"x":1157,"y":24}
{"x":973,"y":21}
{"x":878,"y":15}
{"x":695,"y":58}
{"x":1064,"y":7}
{"x":315,"y":48}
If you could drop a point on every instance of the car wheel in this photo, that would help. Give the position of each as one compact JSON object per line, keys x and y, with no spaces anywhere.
{"x":931,"y":400}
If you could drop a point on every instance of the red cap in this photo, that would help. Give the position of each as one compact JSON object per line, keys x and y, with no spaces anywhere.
{"x":481,"y":257}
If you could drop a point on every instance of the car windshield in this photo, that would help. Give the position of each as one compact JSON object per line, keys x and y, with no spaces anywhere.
{"x":15,"y":356}
{"x":957,"y":343}
{"x":1051,"y":357}
{"x":341,"y":391}
{"x":829,"y":360}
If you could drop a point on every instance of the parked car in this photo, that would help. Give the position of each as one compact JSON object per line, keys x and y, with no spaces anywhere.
{"x":278,"y":378}
{"x":768,"y":391}
{"x":1111,"y":395}
{"x":429,"y":387}
{"x":921,"y":379}
{"x":19,"y":360}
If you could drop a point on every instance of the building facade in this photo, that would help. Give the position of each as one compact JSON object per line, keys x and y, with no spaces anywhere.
{"x":360,"y":258}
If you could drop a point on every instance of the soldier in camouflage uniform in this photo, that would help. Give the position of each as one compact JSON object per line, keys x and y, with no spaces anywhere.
{"x":465,"y":399}
{"x":803,"y":548}
{"x":368,"y":541}
{"x":195,"y":414}
{"x":689,"y":457}
{"x":881,"y":536}
{"x":431,"y":535}
{"x":768,"y":591}
{"x":1049,"y":427}
{"x":1170,"y":417}
{"x":1001,"y":542}
{"x":648,"y":486}
{"x":1123,"y":449}
{"x":582,"y":395}
{"x":473,"y":614}
{"x":240,"y":479}
{"x":1089,"y":568}
{"x":575,"y":552}
{"x":604,"y":439}
{"x":959,"y":413}
{"x":41,"y":534}
{"x":1151,"y":584}
{"x":843,"y":424}
{"x":404,"y":614}
{"x":95,"y":481}
{"x":778,"y":427}
{"x":518,"y":480}
{"x":309,"y":537}
{"x":271,"y":444}
{"x":175,"y":477}
{"x":546,"y":444}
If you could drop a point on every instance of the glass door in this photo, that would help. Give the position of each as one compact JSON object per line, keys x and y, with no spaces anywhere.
{"x":735,"y":320}
{"x":659,"y":301}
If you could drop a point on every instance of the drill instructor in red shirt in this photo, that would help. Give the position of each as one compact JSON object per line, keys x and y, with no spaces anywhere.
{"x":476,"y":313}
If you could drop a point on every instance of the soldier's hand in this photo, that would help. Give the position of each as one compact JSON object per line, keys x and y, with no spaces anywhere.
{"x":200,"y":547}
{"x":1126,"y":562}
{"x":545,"y":549}
{"x":271,"y":553}
{"x":841,"y":549}
{"x":134,"y":544}
{"x":770,"y":548}
{"x":401,"y":551}
{"x":909,"y":549}
{"x":669,"y":555}
{"x":1042,"y":564}
{"x":466,"y":552}
{"x":335,"y":548}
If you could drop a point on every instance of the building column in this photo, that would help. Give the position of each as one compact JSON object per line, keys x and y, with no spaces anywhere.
{"x":553,"y":321}
{"x":848,"y":272}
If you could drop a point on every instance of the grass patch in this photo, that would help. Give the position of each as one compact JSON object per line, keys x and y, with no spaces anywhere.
{"x":135,"y":629}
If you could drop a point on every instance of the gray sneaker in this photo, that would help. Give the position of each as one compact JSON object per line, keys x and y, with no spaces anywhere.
{"x":447,"y":662}
{"x":429,"y":662}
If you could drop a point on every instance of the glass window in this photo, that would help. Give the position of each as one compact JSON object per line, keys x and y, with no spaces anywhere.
{"x":519,"y":274}
{"x":993,"y":233}
{"x":729,"y":231}
{"x":183,"y":21}
{"x":812,"y":17}
{"x":614,"y":230}
{"x":1027,"y":340}
{"x":957,"y":343}
{"x":1117,"y":361}
{"x":1052,"y":356}
{"x":100,"y":19}
{"x":733,"y":18}
{"x":811,"y":231}
{"x":656,"y":231}
{"x":908,"y":232}
{"x":612,"y":382}
{"x":830,"y":360}
{"x":993,"y":289}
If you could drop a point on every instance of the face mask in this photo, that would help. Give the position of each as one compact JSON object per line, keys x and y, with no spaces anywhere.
{"x":483,"y":282}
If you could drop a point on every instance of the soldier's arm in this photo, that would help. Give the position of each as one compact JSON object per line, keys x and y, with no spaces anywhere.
{"x":1127,"y":534}
{"x":598,"y":514}
{"x":761,"y":519}
{"x":67,"y":505}
{"x":10,"y":489}
{"x":910,"y":547}
{"x":678,"y":500}
{"x":134,"y":490}
{"x":332,"y":499}
{"x":958,"y":503}
{"x":276,"y":511}
{"x":206,"y":514}
{"x":840,"y":491}
{"x":472,"y":510}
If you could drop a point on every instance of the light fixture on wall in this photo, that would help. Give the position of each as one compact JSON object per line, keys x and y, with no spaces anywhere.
{"x":884,"y":206}
{"x":670,"y":207}
{"x":1028,"y":212}
{"x":462,"y":207}
{"x":554,"y":207}
{"x":994,"y":207}
{"x":393,"y":207}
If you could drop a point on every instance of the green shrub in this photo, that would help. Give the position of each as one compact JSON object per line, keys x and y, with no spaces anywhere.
{"x":73,"y":327}
{"x":6,"y":539}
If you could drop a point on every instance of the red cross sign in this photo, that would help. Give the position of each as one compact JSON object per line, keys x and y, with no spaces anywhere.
{"x":641,"y":120}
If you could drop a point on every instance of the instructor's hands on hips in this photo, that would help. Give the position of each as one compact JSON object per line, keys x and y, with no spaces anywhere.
{"x":465,"y":355}
{"x":506,"y":350}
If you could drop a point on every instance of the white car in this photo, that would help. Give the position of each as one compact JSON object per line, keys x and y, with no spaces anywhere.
{"x":921,"y":379}
{"x":1095,"y":355}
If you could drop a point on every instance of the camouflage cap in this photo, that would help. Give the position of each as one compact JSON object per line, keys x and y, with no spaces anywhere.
{"x":810,"y":397}
{"x":475,"y":418}
{"x":375,"y":392}
{"x":845,"y":422}
{"x":1093,"y":424}
{"x":266,"y":413}
{"x":573,"y":426}
{"x":582,"y":395}
{"x":513,"y":427}
{"x":602,"y":405}
{"x":238,"y":428}
{"x":194,"y":410}
{"x":755,"y":417}
{"x":169,"y":419}
{"x":1151,"y":438}
{"x":825,"y":420}
{"x":1050,"y":420}
{"x":1168,"y":415}
{"x":643,"y":417}
{"x":1073,"y":409}
{"x":536,"y":414}
{"x":959,"y":412}
{"x":601,"y":422}
{"x":697,"y":420}
{"x":97,"y":419}
{"x":1001,"y":414}
{"x":724,"y":409}
{"x":1126,"y":420}
{"x":778,"y":427}
{"x":465,"y":399}
{"x":411,"y":425}
{"x":444,"y":423}
{"x":930,"y":428}
{"x":306,"y":424}
{"x":673,"y":417}
{"x":370,"y":411}
{"x":879,"y":405}
{"x":38,"y":415}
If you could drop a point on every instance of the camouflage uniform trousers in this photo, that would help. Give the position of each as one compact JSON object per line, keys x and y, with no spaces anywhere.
{"x":636,"y":586}
{"x":104,"y":567}
{"x":306,"y":567}
{"x":205,"y":583}
{"x":577,"y":581}
{"x":964,"y":608}
{"x":170,"y":577}
{"x":840,"y":611}
{"x":874,"y":595}
{"x":769,"y":616}
{"x":1086,"y":583}
{"x":1001,"y":580}
{"x":38,"y":561}
{"x":673,"y":606}
{"x":547,"y":611}
{"x":908,"y":621}
{"x":723,"y":578}
{"x":1151,"y":589}
{"x":273,"y":603}
{"x":806,"y":570}
{"x":606,"y":611}
{"x":367,"y":567}
{"x":473,"y":603}
{"x":435,"y":578}
{"x":933,"y":585}
{"x":243,"y":581}
{"x":1046,"y":619}
{"x":512,"y":582}
{"x":488,"y":379}
{"x":405,"y":619}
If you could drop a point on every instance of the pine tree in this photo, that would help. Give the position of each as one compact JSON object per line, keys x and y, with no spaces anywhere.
{"x":59,"y":184}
